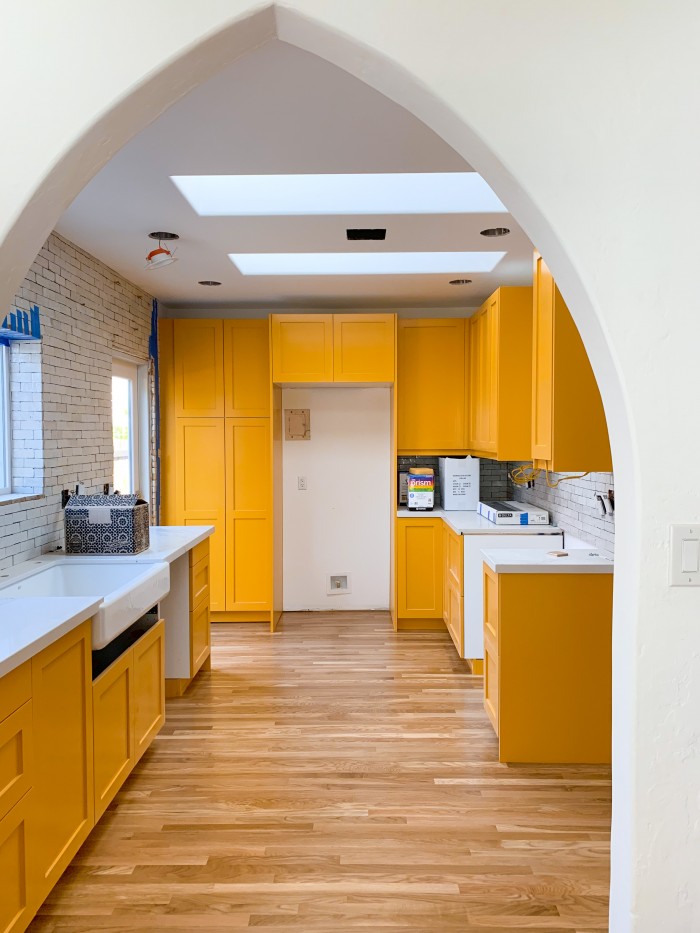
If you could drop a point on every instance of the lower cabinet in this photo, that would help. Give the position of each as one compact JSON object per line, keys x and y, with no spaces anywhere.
{"x":453,"y":574}
{"x":17,"y":904}
{"x":128,"y":712}
{"x":419,"y":577}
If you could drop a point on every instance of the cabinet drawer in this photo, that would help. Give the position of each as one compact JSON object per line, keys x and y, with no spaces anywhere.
{"x":455,"y":618}
{"x":490,"y":604}
{"x":15,"y":689}
{"x":200,"y":637}
{"x":455,"y":560}
{"x":16,"y":898}
{"x":149,"y":687}
{"x":491,"y":686}
{"x":199,"y":583}
{"x":16,"y":757}
{"x":199,"y":552}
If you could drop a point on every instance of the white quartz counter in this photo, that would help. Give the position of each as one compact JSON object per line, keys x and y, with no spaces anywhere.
{"x":29,"y":625}
{"x":471,"y":523}
{"x":168,"y":542}
{"x":578,"y":560}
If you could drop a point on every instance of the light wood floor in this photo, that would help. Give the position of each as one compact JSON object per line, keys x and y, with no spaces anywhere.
{"x":335,"y":777}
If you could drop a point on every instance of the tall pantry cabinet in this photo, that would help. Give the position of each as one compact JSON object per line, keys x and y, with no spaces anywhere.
{"x":215,"y":452}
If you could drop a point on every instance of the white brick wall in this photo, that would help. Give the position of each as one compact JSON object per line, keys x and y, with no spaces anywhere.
{"x":88,"y":312}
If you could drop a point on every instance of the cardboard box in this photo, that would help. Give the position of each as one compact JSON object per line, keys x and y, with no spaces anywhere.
{"x":513,"y":513}
{"x":106,"y":525}
{"x":421,"y":489}
{"x":459,"y":483}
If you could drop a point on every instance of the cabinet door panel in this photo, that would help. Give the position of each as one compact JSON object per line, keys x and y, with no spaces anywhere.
{"x":201,"y":490}
{"x":247,"y":368}
{"x":200,"y":636}
{"x":302,"y":348}
{"x":542,"y":361}
{"x":363,"y":349}
{"x":420,"y":570}
{"x":63,"y":812}
{"x":149,"y":687}
{"x":112,"y":703}
{"x":16,"y":757}
{"x":17,"y":904}
{"x":198,"y":368}
{"x":250,"y":588}
{"x":431,"y":385}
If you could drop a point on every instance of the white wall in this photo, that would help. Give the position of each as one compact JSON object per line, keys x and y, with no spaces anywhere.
{"x":341,"y":523}
{"x":585,"y":129}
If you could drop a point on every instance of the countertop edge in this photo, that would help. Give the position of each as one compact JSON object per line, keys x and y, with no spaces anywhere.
{"x":490,"y":528}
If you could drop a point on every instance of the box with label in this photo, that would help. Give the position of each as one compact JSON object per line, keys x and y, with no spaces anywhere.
{"x":421,"y":489}
{"x":459,"y":483}
{"x":106,"y":525}
{"x":513,"y":513}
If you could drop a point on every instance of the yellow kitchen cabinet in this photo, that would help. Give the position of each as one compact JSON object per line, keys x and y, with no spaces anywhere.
{"x":198,"y":370}
{"x":453,"y":591}
{"x":302,"y":347}
{"x":149,"y":687}
{"x":113,"y":733}
{"x":246,"y":362}
{"x":200,"y":490}
{"x":62,"y":812}
{"x":248,"y":515}
{"x":500,"y":375}
{"x":431,"y":386}
{"x":364,"y":347}
{"x":17,"y":899}
{"x":545,"y":702}
{"x":16,"y":737}
{"x":200,"y":616}
{"x":419,"y":573}
{"x":570,"y":433}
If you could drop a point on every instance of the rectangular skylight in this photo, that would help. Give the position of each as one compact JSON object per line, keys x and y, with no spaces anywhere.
{"x":387,"y":193}
{"x":364,"y":263}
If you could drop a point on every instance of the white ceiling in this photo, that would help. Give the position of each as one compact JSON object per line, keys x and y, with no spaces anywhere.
{"x":281,"y":110}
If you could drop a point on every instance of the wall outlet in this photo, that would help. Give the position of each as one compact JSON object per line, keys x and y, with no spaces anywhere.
{"x":337,"y":583}
{"x":301,"y":483}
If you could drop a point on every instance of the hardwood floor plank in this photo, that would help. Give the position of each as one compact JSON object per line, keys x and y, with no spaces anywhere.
{"x":337,"y":777}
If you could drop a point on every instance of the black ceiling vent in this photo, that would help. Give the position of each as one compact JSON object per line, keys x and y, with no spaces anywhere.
{"x":362,"y":233}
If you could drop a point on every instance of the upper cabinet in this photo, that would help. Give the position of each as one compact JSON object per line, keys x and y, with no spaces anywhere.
{"x":431,"y":385}
{"x":363,"y":347}
{"x":500,"y":375}
{"x":570,"y":432}
{"x":302,"y":347}
{"x":198,"y":370}
{"x":246,"y":362}
{"x":327,"y":348}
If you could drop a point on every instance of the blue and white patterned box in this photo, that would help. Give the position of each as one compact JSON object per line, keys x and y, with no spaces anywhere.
{"x":106,"y":525}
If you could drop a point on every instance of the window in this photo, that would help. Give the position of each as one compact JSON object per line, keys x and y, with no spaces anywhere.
{"x":125,"y":426}
{"x":5,"y":423}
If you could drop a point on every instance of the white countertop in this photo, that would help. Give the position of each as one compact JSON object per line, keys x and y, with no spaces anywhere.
{"x":515,"y":560}
{"x":29,"y":625}
{"x":471,"y":523}
{"x":168,"y":542}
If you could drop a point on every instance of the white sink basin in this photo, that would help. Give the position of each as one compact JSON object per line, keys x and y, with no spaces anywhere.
{"x":127,"y":588}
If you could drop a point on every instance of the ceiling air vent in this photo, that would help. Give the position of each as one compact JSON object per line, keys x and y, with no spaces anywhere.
{"x":362,"y":233}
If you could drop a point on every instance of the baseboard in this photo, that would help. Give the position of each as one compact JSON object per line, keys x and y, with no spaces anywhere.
{"x":263,"y":616}
{"x":476,"y":665}
{"x":420,"y":625}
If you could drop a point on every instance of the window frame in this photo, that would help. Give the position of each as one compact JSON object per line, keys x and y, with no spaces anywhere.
{"x":126,"y":369}
{"x":5,"y":423}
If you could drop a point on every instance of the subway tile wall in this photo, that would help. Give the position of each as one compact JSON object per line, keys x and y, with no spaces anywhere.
{"x":88,"y":313}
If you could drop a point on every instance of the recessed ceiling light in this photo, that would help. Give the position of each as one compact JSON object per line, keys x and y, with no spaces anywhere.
{"x":460,"y":281}
{"x":495,"y":231}
{"x":208,"y":282}
{"x":387,"y":193}
{"x":163,"y":235}
{"x":363,"y":263}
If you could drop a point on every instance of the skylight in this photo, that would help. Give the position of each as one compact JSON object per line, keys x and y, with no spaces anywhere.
{"x":363,"y":263}
{"x":277,"y":195}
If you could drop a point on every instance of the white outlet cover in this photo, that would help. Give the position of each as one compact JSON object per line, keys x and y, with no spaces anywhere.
{"x":333,"y":590}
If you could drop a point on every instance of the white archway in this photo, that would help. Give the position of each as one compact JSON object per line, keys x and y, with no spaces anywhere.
{"x":541,"y":102}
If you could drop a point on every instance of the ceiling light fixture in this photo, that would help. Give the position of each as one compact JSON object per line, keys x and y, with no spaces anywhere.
{"x":377,"y":263}
{"x":157,"y":258}
{"x":460,"y":281}
{"x":208,"y":282}
{"x":495,"y":231}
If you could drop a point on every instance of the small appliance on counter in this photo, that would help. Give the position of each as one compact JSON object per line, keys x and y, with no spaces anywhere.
{"x":106,"y":525}
{"x":513,"y":513}
{"x":459,"y":483}
{"x":403,"y":488}
{"x":421,"y":489}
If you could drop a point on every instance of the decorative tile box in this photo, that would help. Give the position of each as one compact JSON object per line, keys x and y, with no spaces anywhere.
{"x":106,"y":525}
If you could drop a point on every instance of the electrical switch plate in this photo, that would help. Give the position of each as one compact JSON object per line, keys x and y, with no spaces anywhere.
{"x":301,"y":482}
{"x":685,"y":555}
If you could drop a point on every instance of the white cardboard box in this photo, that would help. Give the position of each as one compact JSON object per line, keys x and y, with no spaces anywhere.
{"x":513,"y":513}
{"x":459,"y":483}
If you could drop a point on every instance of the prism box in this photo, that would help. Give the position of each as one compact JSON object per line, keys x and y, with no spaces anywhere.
{"x":513,"y":513}
{"x":459,"y":483}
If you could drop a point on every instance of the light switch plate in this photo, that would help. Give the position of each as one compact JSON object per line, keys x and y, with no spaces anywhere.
{"x":685,"y":555}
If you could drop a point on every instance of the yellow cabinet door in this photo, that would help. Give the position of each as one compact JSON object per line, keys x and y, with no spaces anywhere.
{"x":248,"y":515}
{"x":419,"y":568}
{"x":113,"y":734}
{"x":364,"y":347}
{"x":198,"y":368}
{"x":455,"y":618}
{"x":149,"y":687}
{"x":200,"y":490}
{"x":302,"y":347}
{"x":431,"y":387}
{"x":17,"y":899}
{"x":63,"y":807}
{"x":542,"y":361}
{"x":247,"y":368}
{"x":16,"y":757}
{"x":200,"y":636}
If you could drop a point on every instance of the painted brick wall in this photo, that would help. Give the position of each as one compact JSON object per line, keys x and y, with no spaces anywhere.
{"x":574,"y":507}
{"x":88,"y":313}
